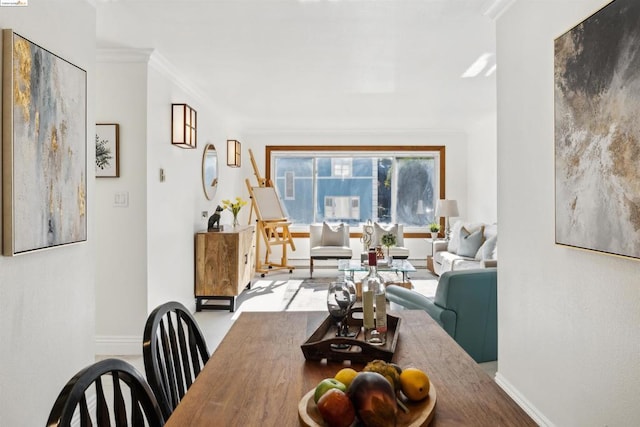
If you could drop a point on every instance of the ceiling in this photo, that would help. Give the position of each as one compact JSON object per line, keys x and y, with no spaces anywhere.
{"x":321,"y":64}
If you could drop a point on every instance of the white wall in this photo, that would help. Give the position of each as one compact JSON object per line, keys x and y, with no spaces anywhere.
{"x":482,"y":185}
{"x":175,"y":205}
{"x":569,"y":342}
{"x":47,"y":298}
{"x":121,"y":233}
{"x":145,"y":254}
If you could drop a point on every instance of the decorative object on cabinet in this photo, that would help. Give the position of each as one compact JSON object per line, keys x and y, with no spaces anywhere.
{"x":596,"y":132}
{"x":107,"y":150}
{"x":44,"y":194}
{"x":224,"y":266}
{"x":234,"y":207}
{"x":184,"y":126}
{"x":447,"y":209}
{"x":214,"y":220}
{"x":233,"y":153}
{"x":210,"y":171}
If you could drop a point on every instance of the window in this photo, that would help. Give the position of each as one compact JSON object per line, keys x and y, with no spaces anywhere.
{"x":353,"y":184}
{"x":341,"y":167}
{"x":342,"y":208}
{"x":289,"y":187}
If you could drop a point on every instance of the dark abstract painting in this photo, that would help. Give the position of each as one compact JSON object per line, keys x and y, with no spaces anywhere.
{"x":44,"y":148}
{"x":597,"y":132}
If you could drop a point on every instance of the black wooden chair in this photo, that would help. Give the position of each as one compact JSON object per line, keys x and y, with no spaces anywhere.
{"x":127,"y":384}
{"x":174,"y":353}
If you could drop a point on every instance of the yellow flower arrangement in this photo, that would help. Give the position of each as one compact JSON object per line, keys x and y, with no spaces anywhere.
{"x":234,"y":206}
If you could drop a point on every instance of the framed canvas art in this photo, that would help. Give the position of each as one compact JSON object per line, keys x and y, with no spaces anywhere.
{"x":597,"y":132}
{"x":107,"y":150}
{"x":44,"y":146}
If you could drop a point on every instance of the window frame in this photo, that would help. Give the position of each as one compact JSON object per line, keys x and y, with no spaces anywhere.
{"x":270,"y":150}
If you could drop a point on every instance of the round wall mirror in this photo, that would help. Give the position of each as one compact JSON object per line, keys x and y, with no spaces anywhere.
{"x":210,"y":171}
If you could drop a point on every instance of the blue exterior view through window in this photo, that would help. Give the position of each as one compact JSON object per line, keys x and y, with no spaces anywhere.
{"x":353,"y":187}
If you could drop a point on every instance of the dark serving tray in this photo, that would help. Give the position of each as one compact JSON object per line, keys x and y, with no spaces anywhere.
{"x":318,"y":345}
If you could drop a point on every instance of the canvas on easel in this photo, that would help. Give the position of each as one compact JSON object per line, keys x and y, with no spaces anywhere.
{"x":271,"y":222}
{"x":272,"y":226}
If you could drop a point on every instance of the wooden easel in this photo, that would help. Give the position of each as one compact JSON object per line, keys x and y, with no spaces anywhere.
{"x":271,"y":222}
{"x":262,"y":182}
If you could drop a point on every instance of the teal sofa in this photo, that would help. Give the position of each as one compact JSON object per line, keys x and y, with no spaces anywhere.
{"x":465,"y":305}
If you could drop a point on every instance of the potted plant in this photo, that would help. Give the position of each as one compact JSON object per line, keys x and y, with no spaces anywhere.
{"x":434,"y":227}
{"x":388,"y":240}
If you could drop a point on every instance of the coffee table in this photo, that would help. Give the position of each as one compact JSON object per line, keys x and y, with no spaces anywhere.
{"x":351,"y":266}
{"x":258,"y":374}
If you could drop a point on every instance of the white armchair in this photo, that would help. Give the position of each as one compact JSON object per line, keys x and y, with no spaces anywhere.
{"x":398,"y":251}
{"x":328,"y":242}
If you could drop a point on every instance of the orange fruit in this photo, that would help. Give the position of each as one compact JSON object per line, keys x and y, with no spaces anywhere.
{"x":415,"y":384}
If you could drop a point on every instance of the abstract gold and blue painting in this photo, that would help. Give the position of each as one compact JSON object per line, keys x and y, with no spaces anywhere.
{"x":44,"y":145}
{"x":597,"y":132}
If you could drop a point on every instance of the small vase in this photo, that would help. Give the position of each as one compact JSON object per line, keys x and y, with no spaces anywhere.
{"x":434,"y":235}
{"x":235,"y":221}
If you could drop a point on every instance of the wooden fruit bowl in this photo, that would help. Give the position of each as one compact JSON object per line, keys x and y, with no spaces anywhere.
{"x":420,"y":413}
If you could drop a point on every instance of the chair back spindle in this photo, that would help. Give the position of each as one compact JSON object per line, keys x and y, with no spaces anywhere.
{"x":174,"y":353}
{"x":144,"y":409}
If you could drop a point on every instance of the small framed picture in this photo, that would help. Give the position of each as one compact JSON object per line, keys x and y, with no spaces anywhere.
{"x":107,"y":150}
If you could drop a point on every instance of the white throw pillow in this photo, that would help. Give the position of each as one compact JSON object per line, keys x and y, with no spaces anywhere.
{"x":379,"y":231}
{"x":490,"y":230}
{"x":489,"y":249}
{"x":332,"y":236}
{"x":454,"y":241}
{"x":470,"y":242}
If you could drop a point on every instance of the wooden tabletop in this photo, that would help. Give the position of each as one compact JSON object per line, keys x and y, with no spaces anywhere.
{"x":258,"y":374}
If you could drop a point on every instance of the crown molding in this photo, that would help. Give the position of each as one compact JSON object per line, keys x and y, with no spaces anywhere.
{"x":167,"y":69}
{"x":494,"y":8}
{"x":120,"y":55}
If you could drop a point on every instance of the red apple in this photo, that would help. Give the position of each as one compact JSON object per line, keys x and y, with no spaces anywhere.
{"x":336,"y":408}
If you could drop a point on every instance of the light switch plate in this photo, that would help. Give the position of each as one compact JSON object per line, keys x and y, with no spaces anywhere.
{"x":121,"y":199}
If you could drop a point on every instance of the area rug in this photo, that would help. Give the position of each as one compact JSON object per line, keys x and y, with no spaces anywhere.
{"x":301,"y":294}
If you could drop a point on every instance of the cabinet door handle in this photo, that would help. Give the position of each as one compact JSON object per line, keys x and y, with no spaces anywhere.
{"x":246,"y":258}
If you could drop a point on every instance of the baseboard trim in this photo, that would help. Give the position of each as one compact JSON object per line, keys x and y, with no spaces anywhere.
{"x":530,"y":409}
{"x":124,"y":345}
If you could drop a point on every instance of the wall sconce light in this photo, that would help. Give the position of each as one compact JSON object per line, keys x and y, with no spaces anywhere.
{"x":233,"y":153}
{"x":183,"y":126}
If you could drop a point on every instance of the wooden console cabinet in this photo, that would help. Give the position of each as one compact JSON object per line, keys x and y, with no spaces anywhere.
{"x":224,"y":265}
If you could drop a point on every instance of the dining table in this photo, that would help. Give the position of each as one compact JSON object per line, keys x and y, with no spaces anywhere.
{"x":258,"y":374}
